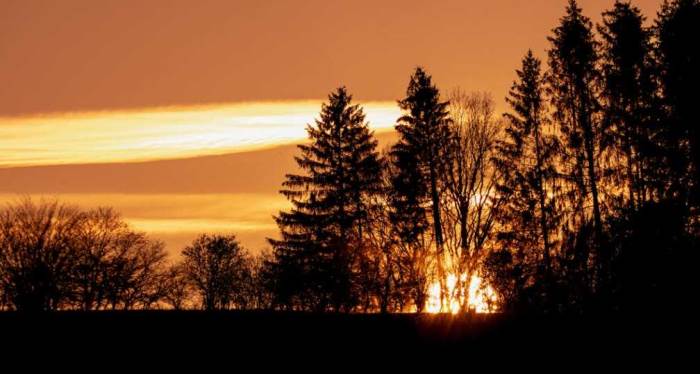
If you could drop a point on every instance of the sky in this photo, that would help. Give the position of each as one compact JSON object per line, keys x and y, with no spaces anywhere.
{"x":181,"y":114}
{"x":163,"y":133}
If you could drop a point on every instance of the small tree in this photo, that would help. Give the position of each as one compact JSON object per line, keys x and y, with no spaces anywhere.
{"x":216,"y":266}
{"x":115,"y":266}
{"x":177,"y":289}
{"x":37,"y":257}
{"x":134,"y":272}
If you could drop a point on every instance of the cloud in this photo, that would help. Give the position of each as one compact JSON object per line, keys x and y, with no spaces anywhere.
{"x":163,"y":133}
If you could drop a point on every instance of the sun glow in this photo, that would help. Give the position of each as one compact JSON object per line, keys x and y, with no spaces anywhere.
{"x":480,"y":297}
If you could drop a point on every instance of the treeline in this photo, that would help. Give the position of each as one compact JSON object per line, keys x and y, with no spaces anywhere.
{"x":583,"y":196}
{"x":58,"y":257}
{"x":55,"y":256}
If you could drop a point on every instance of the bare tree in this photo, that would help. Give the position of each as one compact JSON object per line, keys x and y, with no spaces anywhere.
{"x":55,"y":256}
{"x":216,"y":265}
{"x":470,"y":183}
{"x":177,"y":287}
{"x":36,"y":255}
{"x":379,"y":260}
{"x":260,"y":291}
{"x":132,"y":271}
{"x":97,"y":242}
{"x":141,"y":278}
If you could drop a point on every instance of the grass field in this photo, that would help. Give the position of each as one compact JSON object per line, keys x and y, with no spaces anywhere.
{"x":301,"y":331}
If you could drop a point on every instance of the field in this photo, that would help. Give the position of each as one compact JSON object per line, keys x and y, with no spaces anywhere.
{"x":308,"y":334}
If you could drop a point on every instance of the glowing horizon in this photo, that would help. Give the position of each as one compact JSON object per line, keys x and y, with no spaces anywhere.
{"x":164,"y":133}
{"x":479,"y":297}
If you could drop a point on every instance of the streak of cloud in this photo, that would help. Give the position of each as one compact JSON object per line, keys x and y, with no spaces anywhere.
{"x":163,"y":133}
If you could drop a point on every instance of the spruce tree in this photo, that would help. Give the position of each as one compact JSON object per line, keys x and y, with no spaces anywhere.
{"x":573,"y":81}
{"x":677,"y":33}
{"x":528,"y":216}
{"x":406,"y":197}
{"x":424,"y":132}
{"x":342,"y":170}
{"x":629,"y":95}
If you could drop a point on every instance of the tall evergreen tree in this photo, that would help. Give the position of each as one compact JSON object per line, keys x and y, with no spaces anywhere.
{"x":572,"y":81}
{"x":424,"y":136}
{"x":629,"y":99}
{"x":678,"y":32}
{"x":406,"y":197}
{"x":342,"y":170}
{"x":527,"y":158}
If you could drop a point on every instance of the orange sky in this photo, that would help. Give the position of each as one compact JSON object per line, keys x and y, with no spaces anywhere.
{"x":163,"y":133}
{"x":84,"y":54}
{"x":179,"y":113}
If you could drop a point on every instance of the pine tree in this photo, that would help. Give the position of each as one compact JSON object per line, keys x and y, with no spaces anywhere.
{"x":424,"y":135}
{"x":342,"y":170}
{"x":629,"y":95}
{"x":406,"y":197}
{"x":573,"y":84}
{"x":677,"y":33}
{"x":526,"y":158}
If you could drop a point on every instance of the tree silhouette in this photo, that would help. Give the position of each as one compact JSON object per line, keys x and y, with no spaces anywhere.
{"x":572,"y":82}
{"x":216,"y":265}
{"x":630,"y":103}
{"x":135,"y":271}
{"x":260,"y":286}
{"x":55,"y":256}
{"x":330,"y":205}
{"x":656,"y":244}
{"x":381,"y":281}
{"x":406,"y":213}
{"x":36,"y":254}
{"x":115,"y":267}
{"x":528,"y":216}
{"x":424,"y":137}
{"x":584,"y":197}
{"x":677,"y":32}
{"x":177,"y":287}
{"x":97,"y":243}
{"x":469,"y":181}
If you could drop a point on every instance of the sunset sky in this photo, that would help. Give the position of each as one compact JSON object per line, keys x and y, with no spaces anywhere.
{"x":184,"y":116}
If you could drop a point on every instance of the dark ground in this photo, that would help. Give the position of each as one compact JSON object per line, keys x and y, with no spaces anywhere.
{"x":235,"y":335}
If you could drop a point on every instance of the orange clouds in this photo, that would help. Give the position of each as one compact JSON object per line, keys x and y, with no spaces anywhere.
{"x":163,"y":133}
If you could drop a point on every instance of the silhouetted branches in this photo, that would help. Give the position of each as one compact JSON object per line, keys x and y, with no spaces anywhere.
{"x":55,"y":256}
{"x":218,"y":268}
{"x":584,"y":196}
